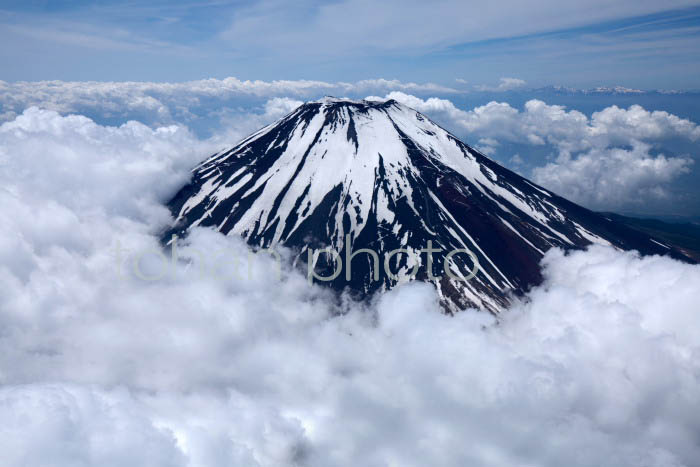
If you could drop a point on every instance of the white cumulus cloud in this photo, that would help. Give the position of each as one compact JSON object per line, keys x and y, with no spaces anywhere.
{"x":207,"y":366}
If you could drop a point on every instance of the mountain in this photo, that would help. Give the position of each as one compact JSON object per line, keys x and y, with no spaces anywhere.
{"x":607,"y":91}
{"x":683,"y":234}
{"x":604,"y":90}
{"x":378,"y":175}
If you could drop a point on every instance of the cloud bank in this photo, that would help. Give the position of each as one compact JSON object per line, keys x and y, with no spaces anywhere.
{"x":598,"y":366}
{"x":166,"y":103}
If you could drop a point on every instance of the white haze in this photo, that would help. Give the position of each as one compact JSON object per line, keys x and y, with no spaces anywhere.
{"x":598,"y":366}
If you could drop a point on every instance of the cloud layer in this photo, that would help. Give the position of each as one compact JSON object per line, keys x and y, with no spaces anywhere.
{"x":167,"y":103}
{"x":634,"y":43}
{"x":598,"y":366}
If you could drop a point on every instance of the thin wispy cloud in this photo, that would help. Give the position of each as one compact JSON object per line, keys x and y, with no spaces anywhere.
{"x":262,"y":39}
{"x":505,"y":84}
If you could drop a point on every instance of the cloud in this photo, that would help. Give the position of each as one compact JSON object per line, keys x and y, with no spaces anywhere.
{"x":637,"y":123}
{"x":487,"y":146}
{"x":506,"y":84}
{"x":598,"y":366}
{"x":65,"y":425}
{"x":540,"y":122}
{"x":190,"y":102}
{"x":271,"y":28}
{"x":606,"y":161}
{"x":612,"y":177}
{"x":132,"y":168}
{"x":280,"y":106}
{"x":263,"y":37}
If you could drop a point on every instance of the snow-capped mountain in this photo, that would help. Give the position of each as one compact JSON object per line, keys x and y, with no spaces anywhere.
{"x":604,"y":90}
{"x":378,"y":175}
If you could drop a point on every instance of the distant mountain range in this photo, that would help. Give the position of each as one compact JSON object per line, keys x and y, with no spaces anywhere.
{"x":607,"y":91}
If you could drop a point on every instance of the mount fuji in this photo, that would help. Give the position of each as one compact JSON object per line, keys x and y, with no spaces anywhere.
{"x":377,"y":175}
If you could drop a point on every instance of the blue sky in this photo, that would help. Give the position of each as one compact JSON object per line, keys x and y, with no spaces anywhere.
{"x":641,"y":44}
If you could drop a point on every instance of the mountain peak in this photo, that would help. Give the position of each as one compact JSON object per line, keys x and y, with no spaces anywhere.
{"x":335,"y":101}
{"x":380,"y":177}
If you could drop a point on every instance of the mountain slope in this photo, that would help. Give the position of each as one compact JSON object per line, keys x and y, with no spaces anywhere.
{"x":683,"y":236}
{"x":385,"y":177}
